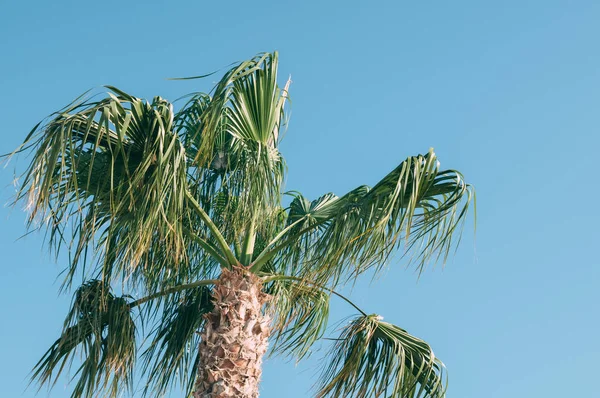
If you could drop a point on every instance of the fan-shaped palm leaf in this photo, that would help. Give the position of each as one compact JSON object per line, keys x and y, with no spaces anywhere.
{"x":235,"y":136}
{"x":101,"y":327}
{"x":373,"y":358}
{"x":416,"y":203}
{"x":116,"y":171}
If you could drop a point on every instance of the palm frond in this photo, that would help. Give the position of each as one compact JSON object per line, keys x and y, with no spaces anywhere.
{"x":111,"y":173}
{"x":172,"y":354}
{"x":416,"y":204}
{"x":235,"y":136}
{"x":373,"y":358}
{"x":101,"y":328}
{"x":300,"y":314}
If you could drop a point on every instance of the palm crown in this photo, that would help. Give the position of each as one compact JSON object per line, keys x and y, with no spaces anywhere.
{"x":162,"y":202}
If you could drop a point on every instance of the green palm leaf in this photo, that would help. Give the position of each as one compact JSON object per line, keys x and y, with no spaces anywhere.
{"x":235,"y":136}
{"x":373,"y":358}
{"x":100,"y":326}
{"x":113,"y":170}
{"x":301,"y":312}
{"x":172,"y":354}
{"x":416,"y":204}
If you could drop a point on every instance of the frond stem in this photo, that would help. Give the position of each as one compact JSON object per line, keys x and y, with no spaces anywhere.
{"x":248,"y":244}
{"x":210,"y":249}
{"x":170,"y":290}
{"x":276,"y":239}
{"x":266,"y":255}
{"x":317,"y":285}
{"x":215,"y":231}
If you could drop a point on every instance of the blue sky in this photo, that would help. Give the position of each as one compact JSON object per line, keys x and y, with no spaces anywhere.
{"x":506,"y":92}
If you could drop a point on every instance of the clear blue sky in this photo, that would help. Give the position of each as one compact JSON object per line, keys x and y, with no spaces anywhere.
{"x":508,"y":92}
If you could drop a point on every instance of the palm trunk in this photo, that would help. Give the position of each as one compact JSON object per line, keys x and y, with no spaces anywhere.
{"x":234,"y":338}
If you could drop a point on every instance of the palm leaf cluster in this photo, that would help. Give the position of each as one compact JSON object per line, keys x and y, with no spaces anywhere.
{"x":101,"y":327}
{"x":158,"y":201}
{"x":369,"y":350}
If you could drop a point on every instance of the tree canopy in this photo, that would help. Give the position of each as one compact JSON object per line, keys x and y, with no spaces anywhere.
{"x":153,"y":202}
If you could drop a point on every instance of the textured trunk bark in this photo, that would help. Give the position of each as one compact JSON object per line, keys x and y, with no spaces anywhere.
{"x":234,"y":338}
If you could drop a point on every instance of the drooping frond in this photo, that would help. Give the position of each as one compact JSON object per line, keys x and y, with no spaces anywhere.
{"x":173,"y":352}
{"x":416,"y":205}
{"x":100,"y":326}
{"x":111,"y":173}
{"x":373,"y":358}
{"x":300,"y":314}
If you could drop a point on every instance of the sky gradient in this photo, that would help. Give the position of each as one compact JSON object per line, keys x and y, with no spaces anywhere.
{"x":506,"y":92}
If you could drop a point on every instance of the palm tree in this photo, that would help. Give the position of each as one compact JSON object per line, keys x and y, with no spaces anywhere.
{"x":184,"y":210}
